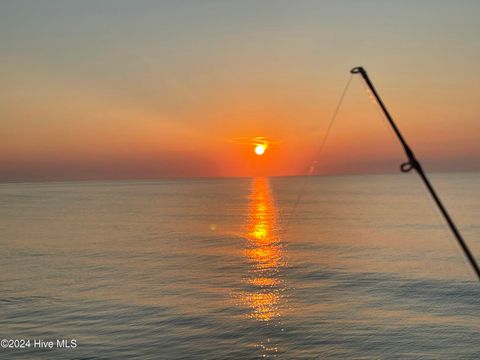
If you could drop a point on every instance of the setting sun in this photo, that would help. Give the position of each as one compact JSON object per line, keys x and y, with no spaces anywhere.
{"x":260,"y":149}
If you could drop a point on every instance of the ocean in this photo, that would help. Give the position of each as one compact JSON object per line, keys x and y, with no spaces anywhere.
{"x":360,"y":267}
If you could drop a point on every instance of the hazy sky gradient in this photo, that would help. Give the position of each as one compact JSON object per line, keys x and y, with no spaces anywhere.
{"x":146,"y":89}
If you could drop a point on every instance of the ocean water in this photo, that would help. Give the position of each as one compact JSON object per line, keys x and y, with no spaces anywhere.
{"x":362,"y":268}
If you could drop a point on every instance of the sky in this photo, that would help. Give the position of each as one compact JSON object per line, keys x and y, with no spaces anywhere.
{"x":117,"y":89}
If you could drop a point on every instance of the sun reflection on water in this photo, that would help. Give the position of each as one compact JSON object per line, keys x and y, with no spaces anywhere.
{"x":266,"y":256}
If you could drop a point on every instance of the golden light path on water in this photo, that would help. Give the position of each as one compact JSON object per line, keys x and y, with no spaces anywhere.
{"x":265,"y":254}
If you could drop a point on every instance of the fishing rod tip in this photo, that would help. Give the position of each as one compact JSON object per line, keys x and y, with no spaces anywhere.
{"x":358,"y":70}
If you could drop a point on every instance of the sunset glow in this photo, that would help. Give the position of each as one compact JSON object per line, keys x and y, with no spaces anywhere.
{"x":205,"y":179}
{"x":173,"y":103}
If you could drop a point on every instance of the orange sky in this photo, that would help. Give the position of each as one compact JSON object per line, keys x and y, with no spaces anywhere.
{"x":144,"y":90}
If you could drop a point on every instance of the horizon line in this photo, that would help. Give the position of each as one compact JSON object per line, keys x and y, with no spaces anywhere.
{"x":231,"y":177}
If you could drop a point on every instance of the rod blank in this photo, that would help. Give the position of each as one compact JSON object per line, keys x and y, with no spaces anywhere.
{"x":414,"y":164}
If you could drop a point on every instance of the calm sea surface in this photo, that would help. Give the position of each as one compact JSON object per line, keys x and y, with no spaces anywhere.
{"x":364,"y":268}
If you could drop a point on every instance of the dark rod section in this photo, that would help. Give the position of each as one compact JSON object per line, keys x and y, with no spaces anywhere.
{"x":414,"y":164}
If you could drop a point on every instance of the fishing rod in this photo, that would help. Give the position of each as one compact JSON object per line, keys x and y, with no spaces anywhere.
{"x":414,"y":164}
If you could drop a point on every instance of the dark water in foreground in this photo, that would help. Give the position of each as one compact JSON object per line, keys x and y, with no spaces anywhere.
{"x":214,"y":269}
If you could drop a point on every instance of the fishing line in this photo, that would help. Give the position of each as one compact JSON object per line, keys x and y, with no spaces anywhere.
{"x":314,"y":163}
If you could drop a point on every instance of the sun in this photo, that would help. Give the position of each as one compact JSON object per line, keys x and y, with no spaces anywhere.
{"x":260,"y":149}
